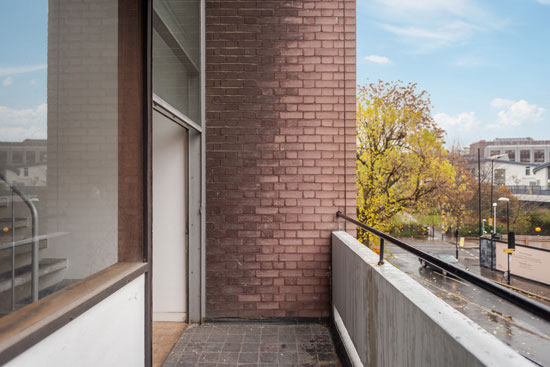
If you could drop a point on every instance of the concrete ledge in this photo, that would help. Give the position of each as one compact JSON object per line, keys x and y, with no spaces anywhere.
{"x":392,"y":320}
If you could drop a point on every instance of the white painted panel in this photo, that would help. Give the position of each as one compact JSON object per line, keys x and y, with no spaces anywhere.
{"x":169,"y":218}
{"x":109,"y":334}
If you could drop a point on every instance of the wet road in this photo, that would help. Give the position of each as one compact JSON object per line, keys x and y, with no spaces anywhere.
{"x":522,"y":331}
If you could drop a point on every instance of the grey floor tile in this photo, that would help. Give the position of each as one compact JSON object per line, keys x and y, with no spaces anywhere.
{"x":248,"y":357}
{"x":250,"y":347}
{"x":269,"y":357}
{"x":265,"y":345}
{"x":229,"y":357}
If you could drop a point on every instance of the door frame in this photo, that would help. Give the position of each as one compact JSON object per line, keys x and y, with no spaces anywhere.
{"x":195,"y":218}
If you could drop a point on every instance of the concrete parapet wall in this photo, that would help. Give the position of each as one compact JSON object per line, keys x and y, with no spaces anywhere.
{"x":392,"y":320}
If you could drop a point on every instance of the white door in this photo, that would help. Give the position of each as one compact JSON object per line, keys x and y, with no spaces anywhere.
{"x":169,"y":220}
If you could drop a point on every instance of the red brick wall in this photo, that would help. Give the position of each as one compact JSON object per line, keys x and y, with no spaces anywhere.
{"x":280,"y":109}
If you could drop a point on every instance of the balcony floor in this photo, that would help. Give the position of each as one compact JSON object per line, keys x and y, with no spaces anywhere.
{"x":254,"y":344}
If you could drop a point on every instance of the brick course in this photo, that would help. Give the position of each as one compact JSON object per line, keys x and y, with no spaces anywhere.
{"x":280,"y":110}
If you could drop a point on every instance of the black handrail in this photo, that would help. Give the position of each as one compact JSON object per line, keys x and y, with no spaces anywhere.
{"x":35,"y":242}
{"x":524,"y":302}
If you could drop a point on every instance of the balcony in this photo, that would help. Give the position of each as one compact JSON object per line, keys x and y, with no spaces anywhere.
{"x":529,"y":190}
{"x":380,"y":317}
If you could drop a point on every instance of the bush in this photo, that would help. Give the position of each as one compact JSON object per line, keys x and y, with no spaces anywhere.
{"x":410,"y":230}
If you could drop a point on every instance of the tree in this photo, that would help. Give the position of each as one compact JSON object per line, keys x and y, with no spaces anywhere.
{"x":401,"y":160}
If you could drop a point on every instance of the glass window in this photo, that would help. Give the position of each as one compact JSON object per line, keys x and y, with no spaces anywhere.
{"x":61,"y":126}
{"x":176,"y":55}
{"x":500,"y":176}
{"x":525,"y":156}
{"x":527,"y":171}
{"x":30,"y":157}
{"x":494,"y":152}
{"x":511,"y":155}
{"x":17,"y":157}
{"x":539,"y":156}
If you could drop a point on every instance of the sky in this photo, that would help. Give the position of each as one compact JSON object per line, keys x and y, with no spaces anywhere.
{"x":485,"y":64}
{"x":23,"y":69}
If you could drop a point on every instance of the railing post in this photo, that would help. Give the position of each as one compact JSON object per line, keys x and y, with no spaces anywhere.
{"x":35,"y":242}
{"x":381,"y":261}
{"x":12,"y":252}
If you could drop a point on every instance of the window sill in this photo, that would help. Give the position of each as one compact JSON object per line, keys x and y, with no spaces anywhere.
{"x":23,"y":328}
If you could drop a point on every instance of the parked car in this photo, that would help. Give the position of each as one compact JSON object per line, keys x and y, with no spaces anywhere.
{"x":447,"y":258}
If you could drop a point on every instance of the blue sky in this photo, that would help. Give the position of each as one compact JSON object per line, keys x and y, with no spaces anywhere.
{"x":23,"y":36}
{"x":486,"y":64}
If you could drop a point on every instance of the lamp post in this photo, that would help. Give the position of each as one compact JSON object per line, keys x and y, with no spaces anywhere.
{"x":494,"y":218}
{"x":493,"y":173}
{"x":507,"y":200}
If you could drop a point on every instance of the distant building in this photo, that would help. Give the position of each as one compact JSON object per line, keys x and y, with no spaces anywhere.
{"x":524,"y":150}
{"x":24,"y":162}
{"x":22,"y":154}
{"x":522,"y":164}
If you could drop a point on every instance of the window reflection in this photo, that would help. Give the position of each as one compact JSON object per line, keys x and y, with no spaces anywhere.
{"x":176,"y":54}
{"x":59,"y":117}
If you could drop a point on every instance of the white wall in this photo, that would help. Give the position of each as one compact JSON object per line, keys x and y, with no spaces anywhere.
{"x":392,"y":320}
{"x":515,"y":173}
{"x":109,"y":334}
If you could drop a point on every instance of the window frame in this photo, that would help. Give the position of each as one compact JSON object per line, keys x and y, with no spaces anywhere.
{"x":25,"y":327}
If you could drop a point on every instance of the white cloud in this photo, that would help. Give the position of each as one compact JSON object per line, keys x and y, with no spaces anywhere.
{"x":544,"y":2}
{"x":426,"y":25}
{"x":5,"y":71}
{"x":463,"y":121}
{"x":7,"y":81}
{"x":20,"y":133}
{"x":20,"y":124}
{"x":426,"y":39}
{"x":427,"y":7}
{"x":459,"y":128}
{"x":378,"y":59}
{"x":516,"y":113}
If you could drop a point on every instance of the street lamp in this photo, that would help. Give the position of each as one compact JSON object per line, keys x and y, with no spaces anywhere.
{"x":507,"y":213}
{"x":493,"y":172}
{"x":494,"y":218}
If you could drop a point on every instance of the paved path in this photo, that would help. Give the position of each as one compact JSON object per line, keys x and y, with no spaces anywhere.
{"x":254,"y":344}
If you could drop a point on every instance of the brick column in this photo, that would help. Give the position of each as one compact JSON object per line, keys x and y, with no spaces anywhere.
{"x":280,"y":107}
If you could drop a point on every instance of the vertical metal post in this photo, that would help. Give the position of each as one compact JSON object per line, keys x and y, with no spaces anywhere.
{"x":492,"y":177}
{"x":509,"y":268}
{"x":479,"y":188}
{"x":12,"y":252}
{"x":381,"y":261}
{"x":456,"y":245}
{"x":508,"y":216}
{"x":35,"y":242}
{"x":495,"y":218}
{"x":35,"y":254}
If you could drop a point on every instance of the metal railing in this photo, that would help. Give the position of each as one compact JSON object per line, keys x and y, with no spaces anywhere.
{"x":529,"y":190}
{"x":35,"y":242}
{"x":524,"y":302}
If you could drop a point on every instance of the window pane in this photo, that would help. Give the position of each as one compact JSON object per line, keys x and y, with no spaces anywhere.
{"x":525,"y":156}
{"x":494,"y":152}
{"x":511,"y":155}
{"x":59,"y":142}
{"x":176,"y":55}
{"x":500,"y":176}
{"x":539,"y":156}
